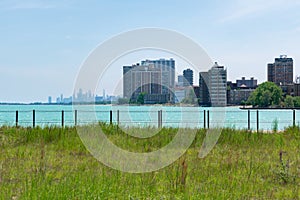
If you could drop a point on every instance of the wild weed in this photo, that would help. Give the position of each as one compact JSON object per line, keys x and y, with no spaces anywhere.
{"x":275,"y":125}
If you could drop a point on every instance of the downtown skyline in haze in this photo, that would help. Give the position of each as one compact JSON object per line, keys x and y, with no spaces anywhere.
{"x":44,"y":43}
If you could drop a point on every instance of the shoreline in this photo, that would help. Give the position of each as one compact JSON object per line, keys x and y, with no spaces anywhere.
{"x":144,"y":105}
{"x":266,"y":108}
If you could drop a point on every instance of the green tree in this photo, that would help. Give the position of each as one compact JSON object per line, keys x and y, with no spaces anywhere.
{"x":289,"y":102}
{"x":266,"y":98}
{"x":141,"y":98}
{"x":266,"y":94}
{"x":190,"y":98}
{"x":296,"y":102}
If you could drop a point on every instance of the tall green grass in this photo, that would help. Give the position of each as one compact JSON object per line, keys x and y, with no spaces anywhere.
{"x":52,"y":163}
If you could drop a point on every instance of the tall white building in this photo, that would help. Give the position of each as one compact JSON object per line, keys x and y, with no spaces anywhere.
{"x":154,"y":78}
{"x":138,"y":79}
{"x":167,"y":68}
{"x":213,"y":86}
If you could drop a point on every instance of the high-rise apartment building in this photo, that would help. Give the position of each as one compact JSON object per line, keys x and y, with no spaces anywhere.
{"x":180,"y":80}
{"x":281,"y":72}
{"x":213,"y":86}
{"x":188,"y":77}
{"x":204,"y":99}
{"x":154,"y":78}
{"x":138,"y":79}
{"x":167,"y":68}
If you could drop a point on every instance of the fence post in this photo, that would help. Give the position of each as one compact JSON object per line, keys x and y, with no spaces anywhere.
{"x":257,"y":120}
{"x":75,"y":117}
{"x":17,"y":118}
{"x":294,"y":118}
{"x":110,"y":117}
{"x":208,"y":119}
{"x":159,"y":119}
{"x":204,"y":119}
{"x":248,"y":120}
{"x":33,"y":118}
{"x":118,"y":117}
{"x":62,"y":118}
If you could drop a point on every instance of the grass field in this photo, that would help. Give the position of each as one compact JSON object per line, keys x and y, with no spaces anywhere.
{"x":52,"y":163}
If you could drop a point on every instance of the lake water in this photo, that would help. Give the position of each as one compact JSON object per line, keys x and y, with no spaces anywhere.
{"x":146,"y":116}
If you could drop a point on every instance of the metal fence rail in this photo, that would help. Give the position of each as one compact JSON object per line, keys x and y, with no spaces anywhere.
{"x":241,"y":119}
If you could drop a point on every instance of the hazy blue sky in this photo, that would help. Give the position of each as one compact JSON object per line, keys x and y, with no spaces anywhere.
{"x":43,"y":43}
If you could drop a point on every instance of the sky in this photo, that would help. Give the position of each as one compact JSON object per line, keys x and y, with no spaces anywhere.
{"x":44,"y":43}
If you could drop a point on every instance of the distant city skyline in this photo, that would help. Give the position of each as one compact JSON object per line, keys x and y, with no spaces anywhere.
{"x":44,"y":43}
{"x":79,"y":97}
{"x":184,"y":79}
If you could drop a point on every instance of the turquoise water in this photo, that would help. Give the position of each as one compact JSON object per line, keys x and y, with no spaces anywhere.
{"x":145,"y":116}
